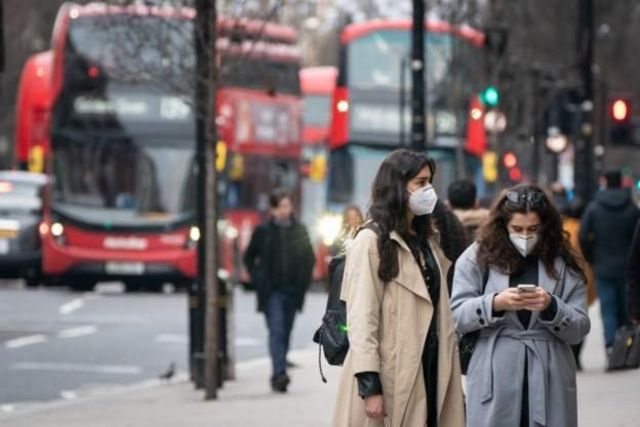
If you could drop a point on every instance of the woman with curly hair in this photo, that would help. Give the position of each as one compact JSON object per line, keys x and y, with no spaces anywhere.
{"x":521,"y":287}
{"x":402,"y":369}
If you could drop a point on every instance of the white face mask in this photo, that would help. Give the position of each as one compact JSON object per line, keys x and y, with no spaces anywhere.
{"x":423,"y":200}
{"x":524,"y":244}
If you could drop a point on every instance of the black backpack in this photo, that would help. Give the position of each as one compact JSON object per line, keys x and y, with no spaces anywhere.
{"x":331,"y":336}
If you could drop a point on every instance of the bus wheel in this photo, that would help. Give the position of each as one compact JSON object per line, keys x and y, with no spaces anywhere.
{"x":81,"y":285}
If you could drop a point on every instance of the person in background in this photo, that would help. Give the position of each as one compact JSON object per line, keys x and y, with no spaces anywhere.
{"x":351,"y":220}
{"x":453,"y":236}
{"x":560,"y":197}
{"x":280,"y":260}
{"x":402,"y":368}
{"x":634,"y":277}
{"x":605,"y":239}
{"x":462,"y":196}
{"x":571,"y":214}
{"x":521,"y":287}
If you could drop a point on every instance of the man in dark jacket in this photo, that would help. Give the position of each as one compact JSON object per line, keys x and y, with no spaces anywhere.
{"x":280,"y":260}
{"x":634,"y":277}
{"x":462,"y":196}
{"x":605,"y":239}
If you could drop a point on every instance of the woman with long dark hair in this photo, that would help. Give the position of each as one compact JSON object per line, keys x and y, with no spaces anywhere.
{"x":522,"y":288}
{"x":402,"y":368}
{"x":351,"y":221}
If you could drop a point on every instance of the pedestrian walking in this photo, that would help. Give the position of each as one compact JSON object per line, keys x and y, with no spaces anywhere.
{"x":463,"y":200}
{"x":280,"y":261}
{"x":571,"y":214}
{"x":520,"y":286}
{"x":352,"y":218}
{"x":402,"y":368}
{"x":634,"y":277}
{"x":605,"y":238}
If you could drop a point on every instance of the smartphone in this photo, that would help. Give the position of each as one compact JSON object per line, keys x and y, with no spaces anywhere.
{"x":527,"y":287}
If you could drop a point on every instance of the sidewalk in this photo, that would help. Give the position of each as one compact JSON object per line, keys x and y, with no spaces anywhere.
{"x":248,"y":401}
{"x":611,"y":400}
{"x":605,"y":399}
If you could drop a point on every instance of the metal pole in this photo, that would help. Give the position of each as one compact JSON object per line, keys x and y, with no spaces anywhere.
{"x":208,"y":268}
{"x":213,"y":378}
{"x":403,"y":88}
{"x":583,"y":166}
{"x":418,"y":92}
{"x":197,"y":289}
{"x":536,"y":124}
{"x":2,"y":50}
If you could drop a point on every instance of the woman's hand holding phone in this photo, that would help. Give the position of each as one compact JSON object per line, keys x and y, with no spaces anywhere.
{"x":534,"y":297}
{"x":508,"y":300}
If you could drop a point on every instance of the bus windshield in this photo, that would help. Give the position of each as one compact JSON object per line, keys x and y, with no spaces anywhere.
{"x":124,"y":181}
{"x":378,"y":59}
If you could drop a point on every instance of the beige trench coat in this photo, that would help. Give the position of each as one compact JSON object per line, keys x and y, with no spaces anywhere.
{"x":388,"y":326}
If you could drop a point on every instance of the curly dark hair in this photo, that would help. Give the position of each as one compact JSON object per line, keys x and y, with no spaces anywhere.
{"x":389,"y":204}
{"x":495,"y":248}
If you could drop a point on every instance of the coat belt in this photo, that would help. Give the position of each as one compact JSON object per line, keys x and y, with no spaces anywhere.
{"x":539,"y":370}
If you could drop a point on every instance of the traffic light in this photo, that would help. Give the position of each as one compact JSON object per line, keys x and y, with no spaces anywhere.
{"x":620,"y":124}
{"x":510,"y":162}
{"x":490,"y":97}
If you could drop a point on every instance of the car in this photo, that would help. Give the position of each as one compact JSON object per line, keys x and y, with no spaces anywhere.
{"x":20,"y":218}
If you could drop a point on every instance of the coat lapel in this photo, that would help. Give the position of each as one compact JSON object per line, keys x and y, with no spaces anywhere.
{"x":410,"y":276}
{"x":548,"y":283}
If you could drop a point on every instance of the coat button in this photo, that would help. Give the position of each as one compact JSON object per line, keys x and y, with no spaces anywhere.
{"x":481,"y":321}
{"x":479,"y":312}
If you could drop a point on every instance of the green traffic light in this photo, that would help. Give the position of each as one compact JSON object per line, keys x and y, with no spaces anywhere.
{"x":490,"y":96}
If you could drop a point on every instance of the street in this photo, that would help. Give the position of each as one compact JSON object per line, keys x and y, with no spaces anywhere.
{"x":55,"y":344}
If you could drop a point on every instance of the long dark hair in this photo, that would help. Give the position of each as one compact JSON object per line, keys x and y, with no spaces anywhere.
{"x":495,"y":248}
{"x":389,"y":204}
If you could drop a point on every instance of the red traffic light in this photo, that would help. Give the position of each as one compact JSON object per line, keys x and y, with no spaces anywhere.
{"x":93,"y":72}
{"x":620,"y":109}
{"x":509,"y":160}
{"x":515,"y":174}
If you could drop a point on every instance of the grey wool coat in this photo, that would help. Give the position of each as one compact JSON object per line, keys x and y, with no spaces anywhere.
{"x":496,"y":371}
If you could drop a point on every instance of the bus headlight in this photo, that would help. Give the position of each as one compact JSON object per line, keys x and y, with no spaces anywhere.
{"x":231,"y":232}
{"x":194,"y":237}
{"x":329,"y":228}
{"x":194,"y":234}
{"x":57,"y":231}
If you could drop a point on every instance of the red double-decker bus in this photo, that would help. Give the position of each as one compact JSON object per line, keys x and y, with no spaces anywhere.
{"x":120,"y":139}
{"x":318,"y":84}
{"x":371,"y":111}
{"x":33,"y":107}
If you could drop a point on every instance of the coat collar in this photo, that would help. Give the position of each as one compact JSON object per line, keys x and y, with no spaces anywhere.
{"x":410,"y":275}
{"x":395,"y":236}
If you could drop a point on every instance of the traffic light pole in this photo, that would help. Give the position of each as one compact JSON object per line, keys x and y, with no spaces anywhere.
{"x":418,"y":92}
